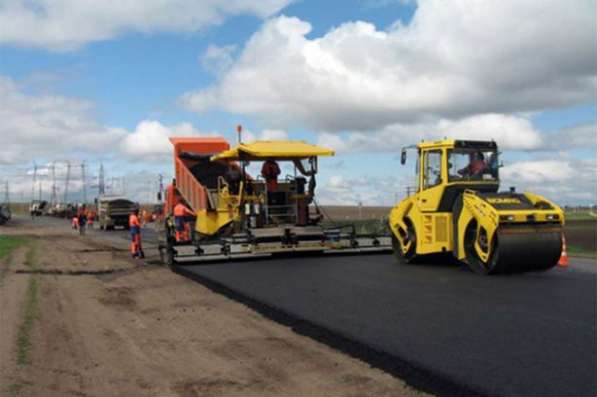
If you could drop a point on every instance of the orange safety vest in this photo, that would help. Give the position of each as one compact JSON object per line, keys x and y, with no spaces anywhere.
{"x":181,"y":210}
{"x":134,"y":221}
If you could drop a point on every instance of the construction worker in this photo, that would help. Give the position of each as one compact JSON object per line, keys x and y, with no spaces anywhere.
{"x":90,"y":218}
{"x":476,"y":165}
{"x":180,"y":212}
{"x":135,"y":229}
{"x":270,"y":171}
{"x":82,"y":221}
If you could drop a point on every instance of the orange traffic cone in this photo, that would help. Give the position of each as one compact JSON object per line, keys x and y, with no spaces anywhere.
{"x":563,"y":262}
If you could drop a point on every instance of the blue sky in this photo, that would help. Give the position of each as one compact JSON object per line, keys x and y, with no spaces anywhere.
{"x":364,"y":77}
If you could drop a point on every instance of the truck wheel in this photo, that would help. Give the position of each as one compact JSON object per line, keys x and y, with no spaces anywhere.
{"x":405,"y":257}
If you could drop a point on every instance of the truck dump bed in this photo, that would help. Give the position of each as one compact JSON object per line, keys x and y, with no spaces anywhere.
{"x":192,"y":177}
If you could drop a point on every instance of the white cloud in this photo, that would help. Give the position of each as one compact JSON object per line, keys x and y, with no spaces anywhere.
{"x":69,"y":24}
{"x":583,"y":136}
{"x":510,"y":132}
{"x":150,"y":138}
{"x":369,"y":190}
{"x":35,"y":126}
{"x":542,"y":171}
{"x":249,"y":136}
{"x":563,"y":181}
{"x":454,"y":59}
{"x":273,"y":135}
{"x":218,"y":59}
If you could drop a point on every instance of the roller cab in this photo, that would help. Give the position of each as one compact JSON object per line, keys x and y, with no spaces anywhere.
{"x":456,"y":208}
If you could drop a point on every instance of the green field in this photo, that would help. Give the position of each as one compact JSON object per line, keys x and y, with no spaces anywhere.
{"x":9,"y":243}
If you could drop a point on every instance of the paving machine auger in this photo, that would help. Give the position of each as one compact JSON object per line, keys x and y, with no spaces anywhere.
{"x":237,"y":215}
{"x":456,"y":208}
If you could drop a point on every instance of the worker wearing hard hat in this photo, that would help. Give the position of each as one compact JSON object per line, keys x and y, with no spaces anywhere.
{"x":180,"y":212}
{"x":135,"y":229}
{"x":270,"y":171}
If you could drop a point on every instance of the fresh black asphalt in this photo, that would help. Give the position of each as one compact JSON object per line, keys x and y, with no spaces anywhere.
{"x":440,"y":327}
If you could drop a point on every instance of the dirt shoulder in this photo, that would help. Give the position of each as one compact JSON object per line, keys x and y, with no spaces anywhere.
{"x":145,"y":331}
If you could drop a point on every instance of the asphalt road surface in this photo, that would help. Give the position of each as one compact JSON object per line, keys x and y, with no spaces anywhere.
{"x":533,"y":334}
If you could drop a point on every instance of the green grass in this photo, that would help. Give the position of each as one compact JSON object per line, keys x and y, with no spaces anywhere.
{"x":581,"y":215}
{"x":582,"y":252}
{"x":10,"y":243}
{"x":30,"y":310}
{"x":364,"y":226}
{"x":30,"y":257}
{"x":29,"y":316}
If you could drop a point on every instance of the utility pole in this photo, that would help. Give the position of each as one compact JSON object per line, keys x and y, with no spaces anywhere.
{"x":101,"y":183}
{"x":40,"y":191}
{"x":84,"y":182}
{"x":66,"y":181}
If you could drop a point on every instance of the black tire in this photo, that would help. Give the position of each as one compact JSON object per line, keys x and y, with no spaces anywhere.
{"x":474,"y":263}
{"x":408,"y":257}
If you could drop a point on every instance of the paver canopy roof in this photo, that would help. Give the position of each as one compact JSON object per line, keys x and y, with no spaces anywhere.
{"x":274,"y":150}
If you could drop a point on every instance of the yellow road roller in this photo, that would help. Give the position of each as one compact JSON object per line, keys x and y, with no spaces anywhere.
{"x":456,"y":208}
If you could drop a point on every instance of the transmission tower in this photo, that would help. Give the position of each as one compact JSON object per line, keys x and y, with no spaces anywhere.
{"x":66,"y":181}
{"x":34,"y":181}
{"x":53,"y":198}
{"x":101,"y":182}
{"x":84,"y":186}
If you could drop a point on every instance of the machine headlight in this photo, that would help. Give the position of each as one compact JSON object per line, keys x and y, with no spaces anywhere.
{"x":552,"y":217}
{"x":507,"y":218}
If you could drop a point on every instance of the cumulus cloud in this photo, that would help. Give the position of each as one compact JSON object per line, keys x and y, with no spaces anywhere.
{"x":69,"y":24}
{"x":542,"y":171}
{"x":265,"y":135}
{"x":453,"y":60}
{"x":48,"y":125}
{"x":583,"y":136}
{"x":564,"y":181}
{"x":150,"y":138}
{"x":218,"y":59}
{"x":510,"y":132}
{"x":369,"y":190}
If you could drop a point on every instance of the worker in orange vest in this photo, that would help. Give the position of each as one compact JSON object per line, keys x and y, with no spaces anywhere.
{"x":135,"y":229}
{"x":270,"y":171}
{"x":90,"y":218}
{"x":182,"y":230}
